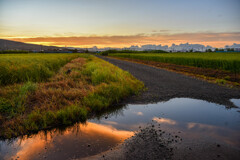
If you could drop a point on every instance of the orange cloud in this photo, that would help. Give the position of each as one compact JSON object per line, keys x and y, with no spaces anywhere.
{"x":213,"y":39}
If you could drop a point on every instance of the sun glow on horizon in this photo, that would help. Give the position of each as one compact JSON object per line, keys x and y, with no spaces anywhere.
{"x":136,"y":40}
{"x":86,"y":23}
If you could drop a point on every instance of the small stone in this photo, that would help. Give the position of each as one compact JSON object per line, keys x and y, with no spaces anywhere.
{"x":68,"y":71}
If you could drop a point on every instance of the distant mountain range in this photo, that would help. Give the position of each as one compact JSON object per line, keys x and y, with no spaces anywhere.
{"x":13,"y":45}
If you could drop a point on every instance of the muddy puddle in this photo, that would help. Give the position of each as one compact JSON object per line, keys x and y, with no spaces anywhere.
{"x":194,"y":120}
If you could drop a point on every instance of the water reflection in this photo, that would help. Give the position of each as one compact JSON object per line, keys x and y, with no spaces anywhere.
{"x":78,"y":141}
{"x":236,"y":102}
{"x":195,"y":120}
{"x":164,"y":120}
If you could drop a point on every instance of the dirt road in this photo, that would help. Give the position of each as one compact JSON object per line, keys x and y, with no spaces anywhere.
{"x":163,"y":85}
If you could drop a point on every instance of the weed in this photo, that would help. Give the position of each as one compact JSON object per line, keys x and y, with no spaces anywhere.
{"x":227,"y":77}
{"x":221,"y":81}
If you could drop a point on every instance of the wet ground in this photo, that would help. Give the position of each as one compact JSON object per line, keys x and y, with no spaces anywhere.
{"x":196,"y":125}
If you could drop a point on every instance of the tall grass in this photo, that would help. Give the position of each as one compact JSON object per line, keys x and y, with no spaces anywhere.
{"x":223,"y":61}
{"x":91,"y":86}
{"x":111,"y":84}
{"x":15,"y":68}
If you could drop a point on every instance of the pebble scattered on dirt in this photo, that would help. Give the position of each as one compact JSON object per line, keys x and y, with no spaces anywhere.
{"x":149,"y":142}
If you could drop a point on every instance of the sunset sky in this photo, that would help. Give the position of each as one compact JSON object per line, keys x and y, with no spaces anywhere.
{"x":119,"y":23}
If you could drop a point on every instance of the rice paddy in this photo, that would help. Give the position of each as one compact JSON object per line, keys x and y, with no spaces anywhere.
{"x":49,"y":90}
{"x":222,"y":61}
{"x":17,"y":68}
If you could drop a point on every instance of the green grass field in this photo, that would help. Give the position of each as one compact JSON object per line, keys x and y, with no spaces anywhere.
{"x":223,"y":61}
{"x":17,"y":68}
{"x":41,"y":94}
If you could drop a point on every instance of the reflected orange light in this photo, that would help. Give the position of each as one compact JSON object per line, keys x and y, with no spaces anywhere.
{"x":32,"y":146}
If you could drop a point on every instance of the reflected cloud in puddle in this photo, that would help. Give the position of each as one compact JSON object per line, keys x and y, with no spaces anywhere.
{"x":236,"y":102}
{"x":197,"y":120}
{"x":79,"y":141}
{"x":138,"y":113}
{"x":164,"y":120}
{"x":213,"y":133}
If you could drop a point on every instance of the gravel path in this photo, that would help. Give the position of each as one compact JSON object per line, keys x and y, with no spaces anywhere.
{"x":164,"y":85}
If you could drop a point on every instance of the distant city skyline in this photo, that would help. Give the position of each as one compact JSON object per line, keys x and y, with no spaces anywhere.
{"x":120,"y":23}
{"x":184,"y":47}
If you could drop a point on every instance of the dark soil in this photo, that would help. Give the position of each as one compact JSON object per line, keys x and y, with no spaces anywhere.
{"x":163,"y":85}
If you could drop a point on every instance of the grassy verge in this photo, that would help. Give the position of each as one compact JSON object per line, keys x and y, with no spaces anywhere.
{"x":84,"y":86}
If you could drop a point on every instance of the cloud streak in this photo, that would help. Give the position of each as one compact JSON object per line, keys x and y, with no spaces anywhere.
{"x":164,"y":120}
{"x":214,"y":39}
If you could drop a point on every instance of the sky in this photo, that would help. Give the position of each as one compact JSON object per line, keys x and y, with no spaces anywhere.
{"x":120,"y":23}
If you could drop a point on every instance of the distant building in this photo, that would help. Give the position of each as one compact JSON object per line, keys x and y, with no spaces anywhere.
{"x":174,"y":48}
